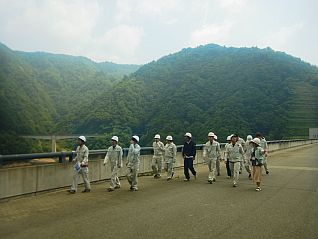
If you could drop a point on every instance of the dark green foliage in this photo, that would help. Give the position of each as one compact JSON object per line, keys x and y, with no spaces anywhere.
{"x":209,"y":88}
{"x":226,"y":90}
{"x":45,"y":94}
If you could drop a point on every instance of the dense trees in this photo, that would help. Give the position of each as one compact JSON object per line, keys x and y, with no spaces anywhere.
{"x":225,"y":90}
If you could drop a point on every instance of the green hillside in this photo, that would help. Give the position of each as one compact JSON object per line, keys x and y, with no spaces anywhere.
{"x":208,"y":88}
{"x":225,"y":90}
{"x":42,"y":93}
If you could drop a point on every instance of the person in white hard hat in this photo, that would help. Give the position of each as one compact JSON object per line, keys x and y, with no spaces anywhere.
{"x":170,"y":156}
{"x":189,"y":153}
{"x":211,"y":153}
{"x":81,"y":166}
{"x":158,"y":150}
{"x":234,"y":153}
{"x":247,"y":155}
{"x":114,"y":155}
{"x":257,"y":162}
{"x":133,"y":162}
{"x":227,"y":162}
{"x":265,"y":147}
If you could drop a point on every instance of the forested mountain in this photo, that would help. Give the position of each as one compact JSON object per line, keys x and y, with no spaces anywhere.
{"x":208,"y":88}
{"x":42,"y":93}
{"x":214,"y":88}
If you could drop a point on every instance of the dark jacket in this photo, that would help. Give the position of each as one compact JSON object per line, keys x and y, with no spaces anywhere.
{"x":189,"y":149}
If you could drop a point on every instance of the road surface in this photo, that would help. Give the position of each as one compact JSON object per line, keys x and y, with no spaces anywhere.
{"x":287,"y":207}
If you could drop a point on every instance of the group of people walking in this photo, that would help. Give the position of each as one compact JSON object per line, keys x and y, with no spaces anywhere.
{"x":250,"y":154}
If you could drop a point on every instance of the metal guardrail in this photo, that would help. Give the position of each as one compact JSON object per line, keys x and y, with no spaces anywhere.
{"x":71,"y":154}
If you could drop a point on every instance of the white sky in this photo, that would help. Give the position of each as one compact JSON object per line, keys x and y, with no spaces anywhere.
{"x":139,"y":31}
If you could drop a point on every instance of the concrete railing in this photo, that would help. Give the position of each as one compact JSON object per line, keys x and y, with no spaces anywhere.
{"x":23,"y":180}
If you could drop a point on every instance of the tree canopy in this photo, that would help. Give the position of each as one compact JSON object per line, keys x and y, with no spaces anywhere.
{"x":208,"y":88}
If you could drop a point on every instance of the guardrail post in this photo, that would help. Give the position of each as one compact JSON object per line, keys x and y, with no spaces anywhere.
{"x":70,"y":158}
{"x":62,"y":157}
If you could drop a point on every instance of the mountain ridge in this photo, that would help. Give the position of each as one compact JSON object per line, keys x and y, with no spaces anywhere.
{"x":211,"y":87}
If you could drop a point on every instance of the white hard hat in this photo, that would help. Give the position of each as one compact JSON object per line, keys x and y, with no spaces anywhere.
{"x":169,"y":137}
{"x":82,"y":138}
{"x":157,"y":136}
{"x":228,"y":138}
{"x":256,"y":141}
{"x":136,"y":138}
{"x":211,"y":134}
{"x":188,"y":135}
{"x":249,"y":138}
{"x":115,"y":138}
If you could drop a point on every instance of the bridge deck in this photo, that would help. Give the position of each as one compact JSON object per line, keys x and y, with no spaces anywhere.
{"x":287,"y":207}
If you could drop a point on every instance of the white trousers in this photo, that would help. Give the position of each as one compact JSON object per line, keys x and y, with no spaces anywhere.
{"x":235,"y":171}
{"x":76,"y":175}
{"x":114,"y":180}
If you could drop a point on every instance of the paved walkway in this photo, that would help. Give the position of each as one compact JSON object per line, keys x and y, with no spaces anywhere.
{"x":287,"y":207}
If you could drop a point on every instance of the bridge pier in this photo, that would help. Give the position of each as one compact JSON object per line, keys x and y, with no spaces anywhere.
{"x":53,"y":138}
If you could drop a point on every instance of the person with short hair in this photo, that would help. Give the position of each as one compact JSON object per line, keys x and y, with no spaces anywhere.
{"x":234,"y":153}
{"x":133,"y":163}
{"x":81,"y":166}
{"x":158,"y":150}
{"x":211,"y":153}
{"x":114,"y":155}
{"x":170,"y":156}
{"x":257,"y":160}
{"x":189,"y":153}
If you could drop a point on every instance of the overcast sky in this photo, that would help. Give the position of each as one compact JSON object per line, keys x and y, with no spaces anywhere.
{"x":139,"y":31}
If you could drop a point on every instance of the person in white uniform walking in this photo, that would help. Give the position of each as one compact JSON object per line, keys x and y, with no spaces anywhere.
{"x":114,"y":155}
{"x":81,"y":166}
{"x":234,"y":153}
{"x":170,"y":157}
{"x":211,"y":153}
{"x":158,"y":150}
{"x":133,"y":163}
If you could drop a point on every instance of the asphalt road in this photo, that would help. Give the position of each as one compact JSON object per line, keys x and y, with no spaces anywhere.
{"x":287,"y":207}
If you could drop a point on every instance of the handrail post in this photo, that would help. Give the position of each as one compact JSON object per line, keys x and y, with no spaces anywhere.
{"x":62,"y":157}
{"x":71,"y":157}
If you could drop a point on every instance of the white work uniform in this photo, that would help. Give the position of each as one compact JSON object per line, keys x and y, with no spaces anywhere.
{"x":248,"y":148}
{"x":211,"y":153}
{"x":241,"y":142}
{"x":81,"y":159}
{"x":158,"y":150}
{"x":234,"y":153}
{"x":265,"y":147}
{"x":114,"y":155}
{"x":170,"y":158}
{"x":133,"y":162}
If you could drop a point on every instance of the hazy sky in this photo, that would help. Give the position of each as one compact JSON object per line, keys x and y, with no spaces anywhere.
{"x":139,"y":31}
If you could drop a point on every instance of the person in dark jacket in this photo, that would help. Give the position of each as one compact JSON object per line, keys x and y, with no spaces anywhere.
{"x":188,"y":153}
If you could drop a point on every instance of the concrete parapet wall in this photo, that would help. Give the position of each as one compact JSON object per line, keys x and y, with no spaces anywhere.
{"x":17,"y":181}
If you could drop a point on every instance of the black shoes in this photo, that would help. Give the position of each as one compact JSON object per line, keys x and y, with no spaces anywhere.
{"x":86,"y":191}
